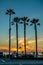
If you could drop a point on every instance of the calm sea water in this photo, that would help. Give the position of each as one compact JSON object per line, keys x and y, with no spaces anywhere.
{"x":21,"y":62}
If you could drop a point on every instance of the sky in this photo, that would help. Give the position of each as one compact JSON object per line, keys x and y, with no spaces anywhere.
{"x":31,"y":9}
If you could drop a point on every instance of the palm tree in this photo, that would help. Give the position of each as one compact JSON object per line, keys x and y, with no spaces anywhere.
{"x":10,"y":12}
{"x":35,"y":22}
{"x":16,"y":20}
{"x":25,"y":22}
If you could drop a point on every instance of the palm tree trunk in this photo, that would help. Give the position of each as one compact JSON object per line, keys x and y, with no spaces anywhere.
{"x":9,"y":34}
{"x":36,"y":39}
{"x":17,"y":37}
{"x":25,"y":37}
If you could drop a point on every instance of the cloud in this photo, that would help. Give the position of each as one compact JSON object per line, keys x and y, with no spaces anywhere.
{"x":13,"y":49}
{"x":12,"y":37}
{"x":21,"y":41}
{"x":40,"y":40}
{"x":28,"y":49}
{"x":29,"y":45}
{"x":3,"y":48}
{"x":28,"y":42}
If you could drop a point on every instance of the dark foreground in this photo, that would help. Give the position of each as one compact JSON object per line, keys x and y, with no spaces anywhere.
{"x":21,"y":61}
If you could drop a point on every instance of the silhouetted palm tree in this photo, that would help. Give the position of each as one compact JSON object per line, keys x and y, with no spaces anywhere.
{"x":10,"y":12}
{"x":35,"y":22}
{"x":16,"y":20}
{"x":25,"y":22}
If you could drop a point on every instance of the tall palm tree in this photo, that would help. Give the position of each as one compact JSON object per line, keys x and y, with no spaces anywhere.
{"x":35,"y":22}
{"x":16,"y":20}
{"x":10,"y":12}
{"x":25,"y":22}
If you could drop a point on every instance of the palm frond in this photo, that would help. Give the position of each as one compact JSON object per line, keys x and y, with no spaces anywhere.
{"x":21,"y":19}
{"x":12,"y":23}
{"x":21,"y":22}
{"x":38,"y":24}
{"x":16,"y":19}
{"x":10,"y":11}
{"x":25,"y":19}
{"x":31,"y":24}
{"x":28,"y":20}
{"x":34,"y":20}
{"x":26,"y":23}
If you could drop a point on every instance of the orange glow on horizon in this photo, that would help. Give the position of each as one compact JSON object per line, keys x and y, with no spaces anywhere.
{"x":28,"y":49}
{"x":30,"y":45}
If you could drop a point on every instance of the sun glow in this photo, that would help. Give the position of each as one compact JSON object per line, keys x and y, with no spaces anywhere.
{"x":30,"y":45}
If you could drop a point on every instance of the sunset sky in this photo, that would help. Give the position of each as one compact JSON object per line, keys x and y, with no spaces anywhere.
{"x":31,"y":9}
